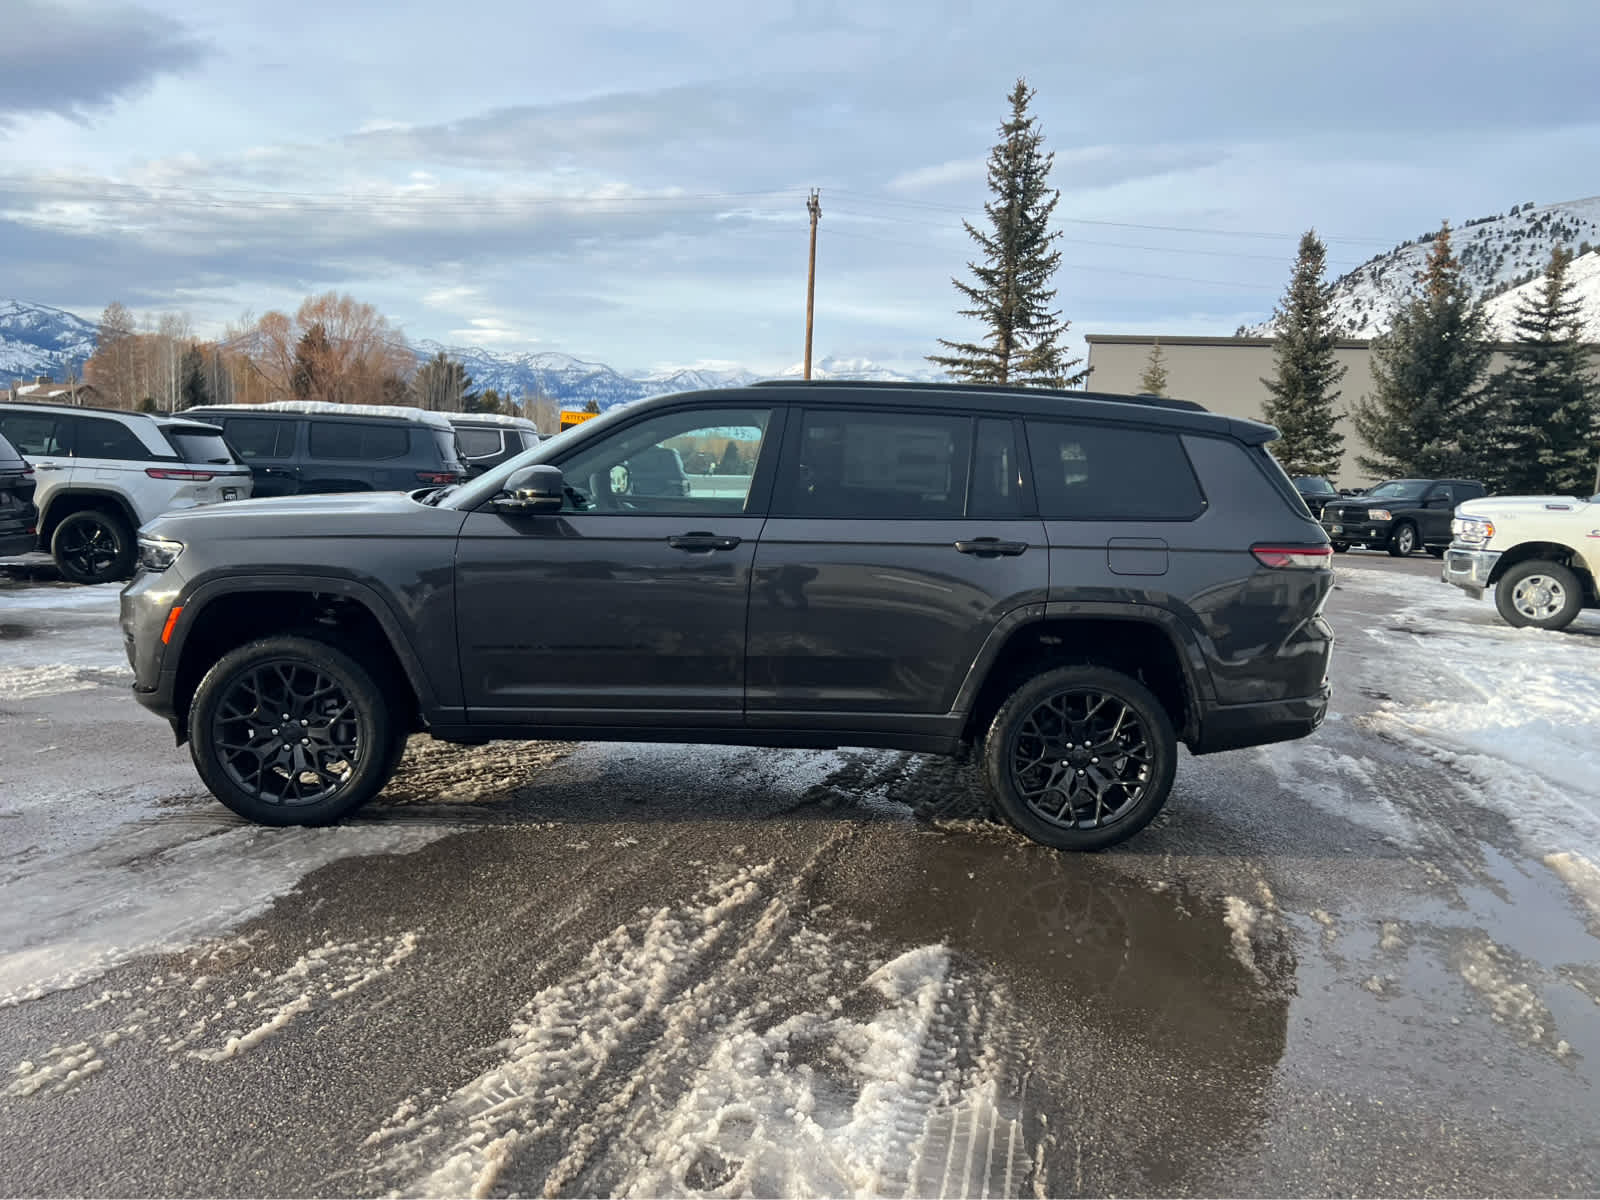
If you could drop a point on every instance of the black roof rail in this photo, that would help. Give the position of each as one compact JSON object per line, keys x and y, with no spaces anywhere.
{"x":63,"y":405}
{"x":1003,"y":389}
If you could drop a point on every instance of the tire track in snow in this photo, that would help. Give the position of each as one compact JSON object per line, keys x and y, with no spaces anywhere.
{"x":673,"y":1060}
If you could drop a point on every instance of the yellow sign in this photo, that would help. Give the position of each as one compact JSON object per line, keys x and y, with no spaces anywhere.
{"x":571,"y":417}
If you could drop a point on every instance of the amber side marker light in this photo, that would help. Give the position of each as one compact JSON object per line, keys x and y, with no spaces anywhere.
{"x":172,"y":619}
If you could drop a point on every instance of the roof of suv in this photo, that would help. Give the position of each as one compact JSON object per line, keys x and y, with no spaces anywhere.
{"x":499,"y":419}
{"x":90,"y":409}
{"x":392,"y":412}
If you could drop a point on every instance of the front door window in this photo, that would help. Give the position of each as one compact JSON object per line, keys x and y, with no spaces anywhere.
{"x":678,"y":464}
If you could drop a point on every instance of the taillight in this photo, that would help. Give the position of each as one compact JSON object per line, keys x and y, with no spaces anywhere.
{"x":438,"y":478}
{"x":1294,"y":557}
{"x":175,"y":473}
{"x":28,"y":470}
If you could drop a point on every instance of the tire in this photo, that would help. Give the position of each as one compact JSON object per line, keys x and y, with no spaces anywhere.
{"x":1340,"y":547}
{"x":1435,"y":551}
{"x":1404,"y":540}
{"x":335,"y":702}
{"x":1077,"y":706}
{"x":1539,"y":594}
{"x":93,"y":546}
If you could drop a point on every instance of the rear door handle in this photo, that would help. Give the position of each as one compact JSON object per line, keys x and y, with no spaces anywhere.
{"x":988,"y":547}
{"x":702,"y":543}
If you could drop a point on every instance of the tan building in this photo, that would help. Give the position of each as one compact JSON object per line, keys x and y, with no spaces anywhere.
{"x":1225,"y":373}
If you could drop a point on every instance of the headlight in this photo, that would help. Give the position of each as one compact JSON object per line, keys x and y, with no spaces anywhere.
{"x":1379,"y":514}
{"x":1471,"y":530}
{"x":158,"y":553}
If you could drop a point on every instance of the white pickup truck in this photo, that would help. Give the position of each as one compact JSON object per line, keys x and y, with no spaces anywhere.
{"x":1540,"y":553}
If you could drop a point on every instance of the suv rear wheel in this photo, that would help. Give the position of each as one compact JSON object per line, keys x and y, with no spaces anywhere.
{"x":290,"y":731}
{"x":93,"y":546}
{"x":1081,"y":757}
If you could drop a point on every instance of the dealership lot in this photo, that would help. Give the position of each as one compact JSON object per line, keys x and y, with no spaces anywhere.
{"x":1361,"y":962}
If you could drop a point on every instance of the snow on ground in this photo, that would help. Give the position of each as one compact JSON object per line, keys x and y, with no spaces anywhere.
{"x":655,"y":1068}
{"x":1515,"y":713}
{"x":59,"y":639}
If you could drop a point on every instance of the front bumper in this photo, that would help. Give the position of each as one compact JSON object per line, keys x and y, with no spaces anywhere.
{"x":1469,"y":569}
{"x":1362,"y":532}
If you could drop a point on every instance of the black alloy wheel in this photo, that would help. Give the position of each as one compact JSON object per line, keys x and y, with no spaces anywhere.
{"x":93,"y":547}
{"x":291,"y":731}
{"x":1081,"y":757}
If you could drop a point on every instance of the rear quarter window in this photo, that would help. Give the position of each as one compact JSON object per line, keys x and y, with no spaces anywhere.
{"x":353,"y":441}
{"x":260,"y":437}
{"x":479,"y":443}
{"x":193,"y":446}
{"x":1090,"y":472}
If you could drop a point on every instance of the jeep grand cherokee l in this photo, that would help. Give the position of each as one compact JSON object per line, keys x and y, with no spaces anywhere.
{"x":1069,"y":583}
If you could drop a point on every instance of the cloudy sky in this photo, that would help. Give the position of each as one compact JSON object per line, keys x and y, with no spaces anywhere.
{"x":626,"y":179}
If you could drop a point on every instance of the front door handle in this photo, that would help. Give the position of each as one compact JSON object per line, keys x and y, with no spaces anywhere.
{"x":988,"y":547}
{"x":702,"y":543}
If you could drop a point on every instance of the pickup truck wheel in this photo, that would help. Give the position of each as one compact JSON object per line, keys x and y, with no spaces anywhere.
{"x":291,"y":731}
{"x":1081,"y":757}
{"x":93,"y":547}
{"x":1340,"y":547}
{"x":1404,"y":540}
{"x":1544,"y":595}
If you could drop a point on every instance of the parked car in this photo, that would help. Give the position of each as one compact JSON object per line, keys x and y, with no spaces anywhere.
{"x":18,"y":516}
{"x":296,"y":446}
{"x":102,"y":473}
{"x":1066,"y":583}
{"x":1315,"y":491}
{"x":1541,"y":554}
{"x":1399,"y":515}
{"x":489,"y":439}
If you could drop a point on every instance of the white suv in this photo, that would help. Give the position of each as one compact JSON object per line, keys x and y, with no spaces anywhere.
{"x":102,"y":473}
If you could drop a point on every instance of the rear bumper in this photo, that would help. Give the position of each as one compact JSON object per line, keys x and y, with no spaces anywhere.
{"x":1235,"y":726}
{"x":1469,"y":569}
{"x":14,"y":542}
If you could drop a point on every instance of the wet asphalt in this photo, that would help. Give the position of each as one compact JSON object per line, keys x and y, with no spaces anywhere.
{"x":1259,"y":995}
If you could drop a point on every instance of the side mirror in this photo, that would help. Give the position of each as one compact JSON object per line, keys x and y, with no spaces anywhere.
{"x":536,"y":489}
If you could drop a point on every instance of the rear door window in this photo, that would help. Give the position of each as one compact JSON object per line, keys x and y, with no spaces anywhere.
{"x":98,"y":437}
{"x":884,"y":465}
{"x":1091,"y":472}
{"x":357,"y":441}
{"x":479,"y":443}
{"x":260,"y":437}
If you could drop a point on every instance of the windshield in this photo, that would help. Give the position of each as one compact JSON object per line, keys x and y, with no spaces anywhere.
{"x":1399,"y":489}
{"x":1316,"y":485}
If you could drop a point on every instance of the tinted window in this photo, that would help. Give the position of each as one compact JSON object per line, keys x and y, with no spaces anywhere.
{"x":479,"y":443}
{"x":1398,"y":489}
{"x":996,"y":473}
{"x":642,"y":468}
{"x":97,"y":437}
{"x":36,"y":434}
{"x":449,"y":445}
{"x":1314,"y":485}
{"x":258,"y":437}
{"x":196,"y":446}
{"x":1102,"y":472}
{"x":358,"y":441}
{"x":877,"y":464}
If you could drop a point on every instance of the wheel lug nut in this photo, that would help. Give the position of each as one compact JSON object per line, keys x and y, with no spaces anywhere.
{"x":1080,"y":771}
{"x":1094,"y":760}
{"x":274,"y":733}
{"x":305,"y":741}
{"x":304,"y":721}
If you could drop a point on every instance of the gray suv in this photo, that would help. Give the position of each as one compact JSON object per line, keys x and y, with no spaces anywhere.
{"x":1068,"y":583}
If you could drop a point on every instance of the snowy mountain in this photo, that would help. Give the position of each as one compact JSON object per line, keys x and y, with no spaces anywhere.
{"x":1585,"y":276}
{"x":1497,"y":254}
{"x":35,"y":340}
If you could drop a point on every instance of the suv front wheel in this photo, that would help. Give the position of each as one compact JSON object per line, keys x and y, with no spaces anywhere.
{"x":290,"y":731}
{"x":1081,"y":757}
{"x":93,"y":547}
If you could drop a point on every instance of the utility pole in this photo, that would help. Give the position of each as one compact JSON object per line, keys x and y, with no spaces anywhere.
{"x":814,"y":207}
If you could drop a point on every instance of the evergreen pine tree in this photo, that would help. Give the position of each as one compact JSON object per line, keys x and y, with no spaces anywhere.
{"x":1154,"y":379}
{"x":591,"y":406}
{"x":1011,"y":292}
{"x":1427,"y":370}
{"x":193,"y":374}
{"x":1547,"y":400}
{"x":1303,"y":390}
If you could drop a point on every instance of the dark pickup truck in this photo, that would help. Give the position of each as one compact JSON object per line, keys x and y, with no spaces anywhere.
{"x":1400,"y":516}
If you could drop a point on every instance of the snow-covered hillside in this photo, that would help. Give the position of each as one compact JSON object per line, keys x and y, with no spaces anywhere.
{"x":36,"y":340}
{"x":1497,"y":253}
{"x":1585,"y":276}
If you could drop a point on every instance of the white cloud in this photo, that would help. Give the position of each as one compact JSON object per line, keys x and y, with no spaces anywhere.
{"x":958,"y":170}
